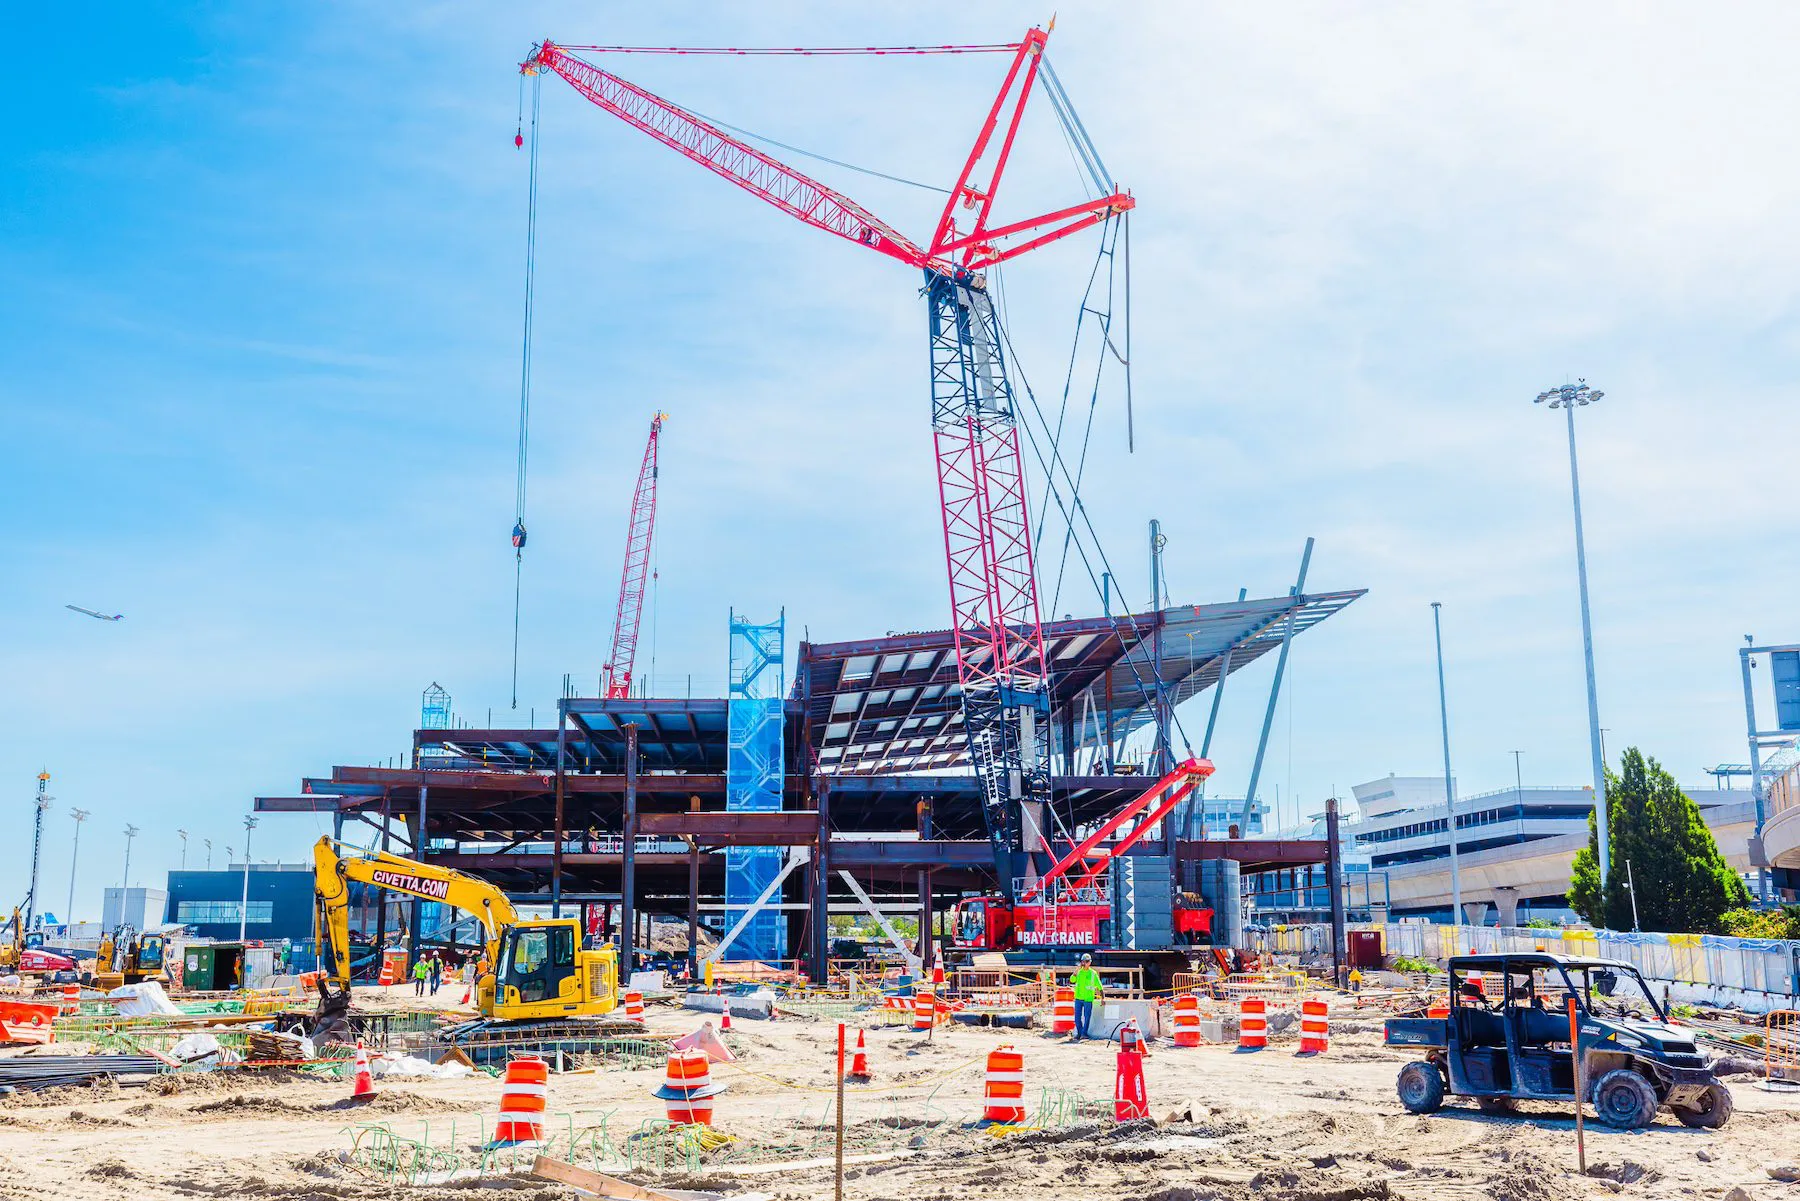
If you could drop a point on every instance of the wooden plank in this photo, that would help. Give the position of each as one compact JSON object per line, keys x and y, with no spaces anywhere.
{"x":594,"y":1182}
{"x":799,"y":1165}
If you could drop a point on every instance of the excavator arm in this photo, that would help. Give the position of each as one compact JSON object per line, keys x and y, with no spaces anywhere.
{"x":336,"y":865}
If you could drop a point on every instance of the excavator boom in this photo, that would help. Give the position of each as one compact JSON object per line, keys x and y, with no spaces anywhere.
{"x":333,"y":872}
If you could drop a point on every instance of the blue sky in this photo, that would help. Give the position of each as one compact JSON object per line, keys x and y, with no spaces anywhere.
{"x":260,"y":323}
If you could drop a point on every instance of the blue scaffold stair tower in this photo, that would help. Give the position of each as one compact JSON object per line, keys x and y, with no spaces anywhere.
{"x":754,"y":777}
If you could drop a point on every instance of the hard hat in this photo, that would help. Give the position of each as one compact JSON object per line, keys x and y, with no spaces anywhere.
{"x":1087,"y":959}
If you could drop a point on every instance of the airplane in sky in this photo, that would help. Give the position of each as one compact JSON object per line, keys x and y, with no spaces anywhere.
{"x":100,"y":616}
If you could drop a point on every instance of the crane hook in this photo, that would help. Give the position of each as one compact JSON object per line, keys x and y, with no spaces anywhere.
{"x":519,"y":138}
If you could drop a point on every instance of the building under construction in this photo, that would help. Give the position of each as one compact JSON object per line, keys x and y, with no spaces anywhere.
{"x":849,"y":790}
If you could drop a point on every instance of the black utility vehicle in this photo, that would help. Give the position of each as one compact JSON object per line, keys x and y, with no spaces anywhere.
{"x":1507,"y":1040}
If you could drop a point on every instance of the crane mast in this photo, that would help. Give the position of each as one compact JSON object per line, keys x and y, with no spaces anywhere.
{"x":1001,"y":669}
{"x":639,"y":531}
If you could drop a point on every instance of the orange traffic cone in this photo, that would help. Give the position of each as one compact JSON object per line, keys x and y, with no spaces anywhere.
{"x":724,"y":1015}
{"x":859,"y":1066}
{"x":365,"y":1079}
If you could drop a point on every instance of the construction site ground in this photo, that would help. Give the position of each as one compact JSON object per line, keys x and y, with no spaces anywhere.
{"x":1263,"y":1125}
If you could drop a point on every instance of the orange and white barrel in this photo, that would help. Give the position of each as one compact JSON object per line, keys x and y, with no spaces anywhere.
{"x":1187,"y":1020}
{"x":634,"y":1006}
{"x":71,"y":998}
{"x":1253,"y":1024}
{"x":1004,"y":1089}
{"x":1062,"y":1012}
{"x":924,"y":1011}
{"x":1315,"y":1027}
{"x":688,"y":1090}
{"x":522,"y":1101}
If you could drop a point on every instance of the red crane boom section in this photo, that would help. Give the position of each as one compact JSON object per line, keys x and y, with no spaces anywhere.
{"x":805,"y":198}
{"x":1152,"y":805}
{"x":638,"y":534}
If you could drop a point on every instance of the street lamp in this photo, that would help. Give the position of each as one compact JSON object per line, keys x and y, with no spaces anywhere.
{"x":244,"y":905}
{"x":131,"y":832}
{"x":1456,"y":914}
{"x":32,"y":900}
{"x":208,"y":843}
{"x":80,"y":815}
{"x":1568,"y":398}
{"x":183,"y":834}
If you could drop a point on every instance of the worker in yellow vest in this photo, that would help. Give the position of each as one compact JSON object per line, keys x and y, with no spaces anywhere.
{"x":1086,"y":983}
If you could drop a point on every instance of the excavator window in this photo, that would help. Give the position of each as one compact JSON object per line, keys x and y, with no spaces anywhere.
{"x":536,"y":961}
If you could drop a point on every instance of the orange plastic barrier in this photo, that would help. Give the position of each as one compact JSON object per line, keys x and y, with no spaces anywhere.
{"x":1253,"y":1024}
{"x":1315,"y":1028}
{"x":1004,"y":1088}
{"x":522,"y":1096}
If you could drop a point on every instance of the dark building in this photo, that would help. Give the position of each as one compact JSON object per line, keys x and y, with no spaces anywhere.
{"x":209,"y":903}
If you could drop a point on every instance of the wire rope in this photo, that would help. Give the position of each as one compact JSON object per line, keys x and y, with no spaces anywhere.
{"x":823,"y":158}
{"x":524,"y":448}
{"x":804,"y":51}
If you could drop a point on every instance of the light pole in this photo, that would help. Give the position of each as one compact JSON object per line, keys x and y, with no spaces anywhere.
{"x":1518,"y":778}
{"x":80,"y":815}
{"x":208,"y":843}
{"x":1568,"y":398}
{"x":37,"y":843}
{"x":183,"y":834}
{"x":244,"y":906}
{"x":1449,"y":787}
{"x":131,"y":832}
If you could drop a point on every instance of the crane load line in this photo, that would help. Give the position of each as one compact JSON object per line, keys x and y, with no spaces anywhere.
{"x":805,"y":51}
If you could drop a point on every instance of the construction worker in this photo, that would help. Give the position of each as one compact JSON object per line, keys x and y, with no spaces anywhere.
{"x":421,"y":972}
{"x":1086,"y":983}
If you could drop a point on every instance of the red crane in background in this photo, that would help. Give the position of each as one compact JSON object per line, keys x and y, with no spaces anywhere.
{"x":638,"y":533}
{"x":1003,"y":677}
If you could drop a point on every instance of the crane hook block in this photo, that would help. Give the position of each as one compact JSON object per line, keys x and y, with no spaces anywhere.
{"x":519,"y":137}
{"x":518,"y":535}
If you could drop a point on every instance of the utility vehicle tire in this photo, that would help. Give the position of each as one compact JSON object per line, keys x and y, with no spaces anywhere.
{"x":1624,"y":1100}
{"x":1500,"y":1106}
{"x":1421,"y":1088}
{"x":1713,"y":1111}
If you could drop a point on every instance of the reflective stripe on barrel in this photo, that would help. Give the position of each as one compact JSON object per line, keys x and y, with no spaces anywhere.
{"x":1315,"y":1028}
{"x":688,"y":1072}
{"x":522,"y":1101}
{"x":1253,"y":1027}
{"x":1004,"y":1089}
{"x":1187,"y":1020}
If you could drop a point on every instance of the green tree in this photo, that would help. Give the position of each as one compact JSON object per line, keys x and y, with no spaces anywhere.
{"x":1683,"y":884}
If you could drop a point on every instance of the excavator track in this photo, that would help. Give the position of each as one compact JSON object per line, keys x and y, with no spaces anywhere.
{"x":488,"y":1040}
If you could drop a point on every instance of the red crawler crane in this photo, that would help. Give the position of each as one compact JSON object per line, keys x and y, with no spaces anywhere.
{"x":1001,"y":670}
{"x":637,"y":570}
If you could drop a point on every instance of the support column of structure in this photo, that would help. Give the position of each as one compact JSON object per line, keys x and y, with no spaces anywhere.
{"x":926,"y":950}
{"x":556,"y":848}
{"x":628,"y":856}
{"x":380,"y":898}
{"x":1287,"y":638}
{"x":693,"y":897}
{"x":821,"y":887}
{"x":1334,"y":879}
{"x":420,"y":841}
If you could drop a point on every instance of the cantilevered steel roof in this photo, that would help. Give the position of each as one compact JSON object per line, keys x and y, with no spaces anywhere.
{"x":891,"y":704}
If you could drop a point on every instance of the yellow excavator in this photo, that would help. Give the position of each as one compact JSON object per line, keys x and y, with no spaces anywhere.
{"x":127,"y":957}
{"x":535,"y":976}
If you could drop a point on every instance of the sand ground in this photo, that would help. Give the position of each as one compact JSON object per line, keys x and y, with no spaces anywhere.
{"x":1260,"y":1125}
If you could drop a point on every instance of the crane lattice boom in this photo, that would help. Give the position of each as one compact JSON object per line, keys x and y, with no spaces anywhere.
{"x":987,"y":543}
{"x":638,"y":534}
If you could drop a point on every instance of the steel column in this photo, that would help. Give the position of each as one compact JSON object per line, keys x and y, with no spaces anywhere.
{"x":556,"y":850}
{"x":628,"y":882}
{"x":1287,"y":639}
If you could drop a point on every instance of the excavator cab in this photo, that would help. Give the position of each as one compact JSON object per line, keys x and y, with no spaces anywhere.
{"x":542,"y":971}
